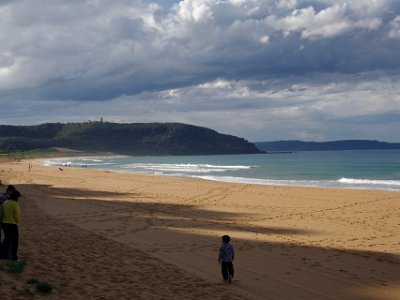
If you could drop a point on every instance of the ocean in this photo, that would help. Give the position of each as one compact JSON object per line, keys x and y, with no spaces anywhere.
{"x":356,"y":169}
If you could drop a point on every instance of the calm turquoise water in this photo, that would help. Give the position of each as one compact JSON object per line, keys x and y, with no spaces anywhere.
{"x":367,"y":169}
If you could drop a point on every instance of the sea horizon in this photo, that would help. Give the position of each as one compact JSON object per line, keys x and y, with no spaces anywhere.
{"x":353,"y":169}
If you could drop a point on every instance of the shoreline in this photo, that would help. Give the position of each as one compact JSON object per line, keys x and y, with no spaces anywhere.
{"x":291,"y":242}
{"x":352,"y":183}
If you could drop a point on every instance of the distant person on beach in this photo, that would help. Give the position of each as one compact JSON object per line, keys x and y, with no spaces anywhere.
{"x":226,"y":257}
{"x":9,"y":218}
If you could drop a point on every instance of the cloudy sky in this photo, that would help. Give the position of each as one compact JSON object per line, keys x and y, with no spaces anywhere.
{"x":260,"y":69}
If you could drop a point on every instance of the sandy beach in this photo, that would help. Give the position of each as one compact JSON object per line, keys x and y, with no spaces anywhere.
{"x":103,"y":235}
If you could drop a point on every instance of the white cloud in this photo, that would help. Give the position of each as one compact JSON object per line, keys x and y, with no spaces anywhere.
{"x":395,"y":28}
{"x":264,"y":39}
{"x":326,"y":23}
{"x":290,"y":4}
{"x":195,"y":11}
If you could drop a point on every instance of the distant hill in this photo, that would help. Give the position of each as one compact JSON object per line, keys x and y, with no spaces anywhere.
{"x":134,"y":139}
{"x":321,"y":146}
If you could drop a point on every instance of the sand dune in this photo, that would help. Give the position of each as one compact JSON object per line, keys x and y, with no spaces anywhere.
{"x":103,"y":235}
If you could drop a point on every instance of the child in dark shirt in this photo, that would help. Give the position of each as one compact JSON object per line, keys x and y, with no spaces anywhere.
{"x":225,"y":258}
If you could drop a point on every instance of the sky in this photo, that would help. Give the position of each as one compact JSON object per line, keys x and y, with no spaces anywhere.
{"x":263,"y":70}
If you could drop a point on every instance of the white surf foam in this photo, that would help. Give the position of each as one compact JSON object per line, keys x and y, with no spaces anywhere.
{"x":369,"y":181}
{"x":75,"y":163}
{"x":183,"y":168}
{"x":389,"y":185}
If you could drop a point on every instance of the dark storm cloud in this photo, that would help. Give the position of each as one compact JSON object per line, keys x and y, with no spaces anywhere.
{"x":88,"y":50}
{"x":291,"y":59}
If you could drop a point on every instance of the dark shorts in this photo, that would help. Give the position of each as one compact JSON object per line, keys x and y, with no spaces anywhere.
{"x":227,"y":269}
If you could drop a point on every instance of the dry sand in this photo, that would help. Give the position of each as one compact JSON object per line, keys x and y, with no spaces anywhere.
{"x":103,"y":235}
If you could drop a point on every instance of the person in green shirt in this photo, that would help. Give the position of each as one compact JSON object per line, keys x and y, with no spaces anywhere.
{"x":9,"y":218}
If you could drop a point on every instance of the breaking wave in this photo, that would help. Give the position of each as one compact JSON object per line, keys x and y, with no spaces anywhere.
{"x":182,"y":168}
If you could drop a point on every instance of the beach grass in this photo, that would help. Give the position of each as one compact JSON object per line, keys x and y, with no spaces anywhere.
{"x":16,"y":267}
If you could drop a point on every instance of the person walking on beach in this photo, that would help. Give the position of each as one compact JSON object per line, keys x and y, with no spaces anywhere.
{"x":9,"y":218}
{"x":226,"y":257}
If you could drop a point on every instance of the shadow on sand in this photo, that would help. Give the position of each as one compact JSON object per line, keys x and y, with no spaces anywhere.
{"x":292,"y":266}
